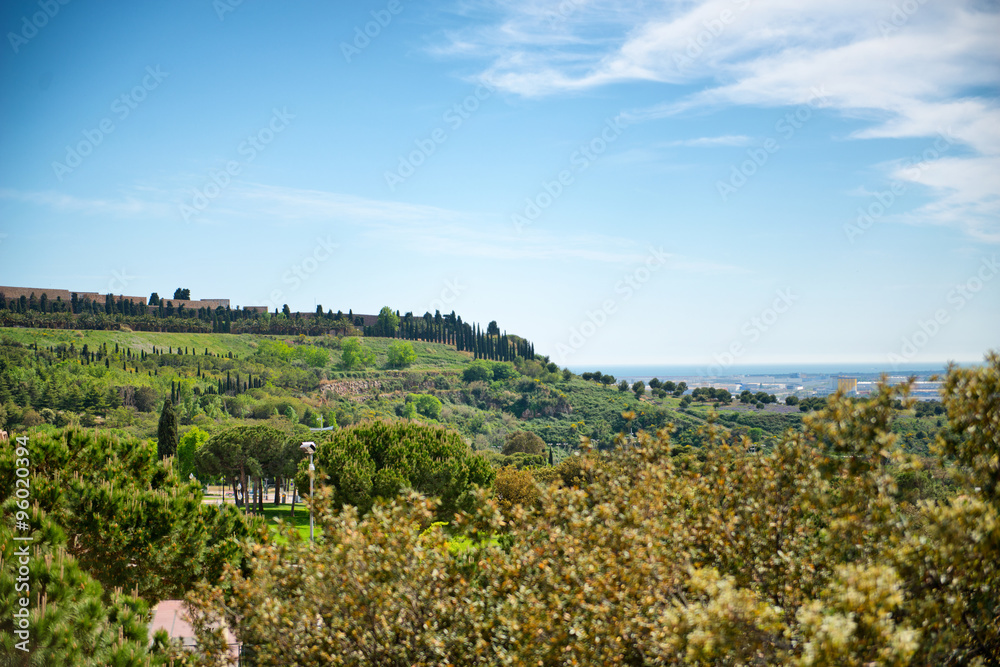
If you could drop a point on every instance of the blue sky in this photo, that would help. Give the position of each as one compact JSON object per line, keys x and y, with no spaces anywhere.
{"x":720,"y":183}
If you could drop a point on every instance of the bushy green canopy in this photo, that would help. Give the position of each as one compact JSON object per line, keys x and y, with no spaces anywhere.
{"x":81,"y":623}
{"x":379,"y":459}
{"x":523,"y":441}
{"x":130,"y":521}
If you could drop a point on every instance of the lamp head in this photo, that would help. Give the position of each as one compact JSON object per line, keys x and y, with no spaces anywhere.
{"x":308,"y":447}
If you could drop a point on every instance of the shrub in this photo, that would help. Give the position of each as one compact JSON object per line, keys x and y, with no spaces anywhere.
{"x":478,"y":371}
{"x":401,"y":354}
{"x":524,"y":441}
{"x":146,"y":399}
{"x":514,"y":487}
{"x":31,"y":418}
{"x":503,"y":370}
{"x":425,"y":404}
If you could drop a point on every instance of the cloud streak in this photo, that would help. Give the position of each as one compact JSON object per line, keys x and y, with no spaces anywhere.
{"x":429,"y":230}
{"x":909,"y":72}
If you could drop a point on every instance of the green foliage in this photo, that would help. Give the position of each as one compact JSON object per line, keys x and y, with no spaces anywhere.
{"x":515,"y":486}
{"x":647,"y":555}
{"x":425,"y":404}
{"x":188,"y":445}
{"x":272,"y":350}
{"x":972,"y":400}
{"x":811,"y":404}
{"x":315,"y":357}
{"x":400,"y":354}
{"x":80,"y":622}
{"x":387,"y":324}
{"x":524,"y":441}
{"x":503,"y":370}
{"x":130,"y":521}
{"x":243,"y":452}
{"x":167,"y":436}
{"x":354,"y":355}
{"x":479,"y":370}
{"x":379,"y":459}
{"x":517,"y":460}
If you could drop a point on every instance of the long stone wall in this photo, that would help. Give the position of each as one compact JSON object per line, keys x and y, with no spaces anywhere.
{"x":65,"y":295}
{"x":196,"y":304}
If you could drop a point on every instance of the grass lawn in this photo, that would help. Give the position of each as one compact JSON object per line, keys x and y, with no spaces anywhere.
{"x":300,"y":520}
{"x":456,"y":545}
{"x":430,"y":356}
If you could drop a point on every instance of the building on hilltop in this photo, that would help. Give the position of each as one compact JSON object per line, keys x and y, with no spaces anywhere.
{"x":13,"y":293}
{"x":193,"y":304}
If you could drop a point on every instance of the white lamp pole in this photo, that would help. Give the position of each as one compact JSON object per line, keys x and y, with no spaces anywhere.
{"x":312,"y":473}
{"x":310,"y":448}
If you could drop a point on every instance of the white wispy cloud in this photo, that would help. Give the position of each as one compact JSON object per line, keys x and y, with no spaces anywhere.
{"x":126,"y":206}
{"x":725,"y":140}
{"x":910,"y":71}
{"x":419,"y":228}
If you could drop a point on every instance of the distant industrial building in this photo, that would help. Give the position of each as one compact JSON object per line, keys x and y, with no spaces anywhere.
{"x":847,"y":385}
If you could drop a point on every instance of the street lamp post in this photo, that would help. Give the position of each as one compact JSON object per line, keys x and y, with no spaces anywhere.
{"x":310,"y":449}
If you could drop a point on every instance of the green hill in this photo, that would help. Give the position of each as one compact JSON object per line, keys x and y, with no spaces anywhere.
{"x":119,"y":379}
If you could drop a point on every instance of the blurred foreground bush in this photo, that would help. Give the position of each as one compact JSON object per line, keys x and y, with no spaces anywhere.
{"x":795,"y":555}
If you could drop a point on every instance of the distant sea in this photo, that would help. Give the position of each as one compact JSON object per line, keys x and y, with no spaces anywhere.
{"x":640,"y":372}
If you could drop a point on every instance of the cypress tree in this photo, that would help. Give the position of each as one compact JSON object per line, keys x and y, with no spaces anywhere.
{"x":167,"y":436}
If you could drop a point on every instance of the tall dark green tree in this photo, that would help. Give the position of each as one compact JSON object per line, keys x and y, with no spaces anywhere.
{"x":167,"y":435}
